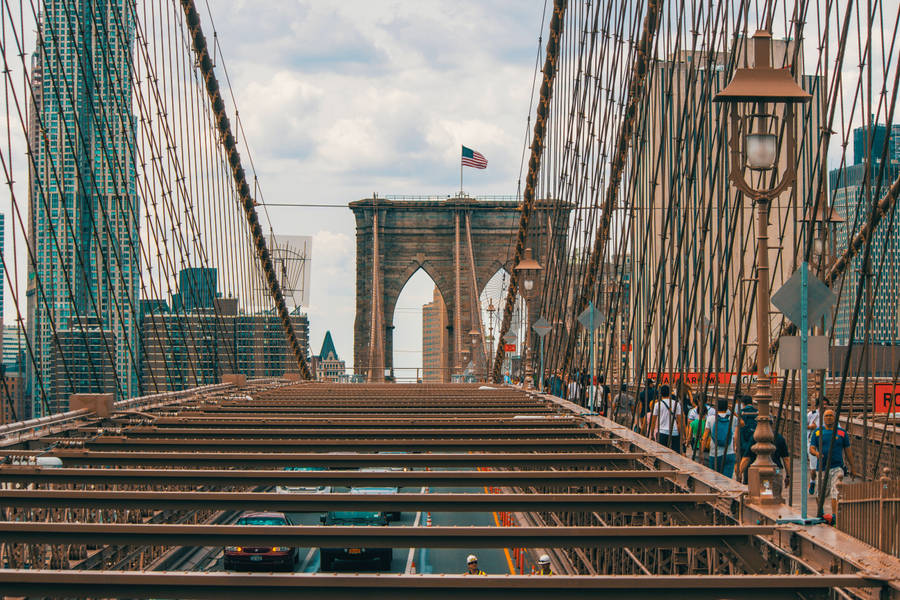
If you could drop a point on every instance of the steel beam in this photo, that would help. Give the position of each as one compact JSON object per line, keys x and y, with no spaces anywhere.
{"x":247,"y":586}
{"x":693,"y":536}
{"x":71,"y":456}
{"x":375,"y":409}
{"x":596,"y":479}
{"x":325,"y":432}
{"x":267,"y":501}
{"x":362,"y":422}
{"x":341,"y":445}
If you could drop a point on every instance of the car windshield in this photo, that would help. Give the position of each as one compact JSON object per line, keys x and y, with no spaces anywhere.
{"x":373,"y":490}
{"x":261,"y":521}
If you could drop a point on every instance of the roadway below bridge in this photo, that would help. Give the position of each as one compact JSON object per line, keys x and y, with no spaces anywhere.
{"x":411,"y":560}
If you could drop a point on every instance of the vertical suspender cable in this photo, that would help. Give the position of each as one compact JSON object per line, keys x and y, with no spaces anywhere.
{"x":534,"y":164}
{"x":617,"y":166}
{"x":240,"y":181}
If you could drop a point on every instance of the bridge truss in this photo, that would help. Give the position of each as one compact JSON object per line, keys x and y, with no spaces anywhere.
{"x":140,"y":493}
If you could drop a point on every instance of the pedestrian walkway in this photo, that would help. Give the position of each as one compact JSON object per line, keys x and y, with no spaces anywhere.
{"x":796,"y":489}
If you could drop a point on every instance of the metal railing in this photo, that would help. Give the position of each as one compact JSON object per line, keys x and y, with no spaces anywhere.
{"x":420,"y":198}
{"x":870,"y":511}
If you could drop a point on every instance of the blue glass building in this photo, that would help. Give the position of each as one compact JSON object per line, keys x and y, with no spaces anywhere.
{"x":853,"y":201}
{"x":83,"y":281}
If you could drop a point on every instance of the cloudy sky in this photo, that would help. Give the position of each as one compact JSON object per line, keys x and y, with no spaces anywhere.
{"x":343,"y":99}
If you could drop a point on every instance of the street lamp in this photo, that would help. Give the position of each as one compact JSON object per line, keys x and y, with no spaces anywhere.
{"x":491,"y":309}
{"x":528,"y":268}
{"x":754,"y":147}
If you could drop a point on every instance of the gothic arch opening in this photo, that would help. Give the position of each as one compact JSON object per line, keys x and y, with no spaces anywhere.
{"x":420,"y":335}
{"x":493,"y":294}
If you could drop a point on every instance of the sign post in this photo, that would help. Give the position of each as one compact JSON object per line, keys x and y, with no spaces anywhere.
{"x":509,"y":340}
{"x":590,"y":319}
{"x":541,"y":327}
{"x":803,"y":299}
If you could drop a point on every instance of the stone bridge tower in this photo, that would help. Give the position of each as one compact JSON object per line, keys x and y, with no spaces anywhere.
{"x":461,"y":243}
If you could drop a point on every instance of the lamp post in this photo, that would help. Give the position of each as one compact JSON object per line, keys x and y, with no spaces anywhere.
{"x":528,"y":268}
{"x":490,"y":338}
{"x":754,"y":147}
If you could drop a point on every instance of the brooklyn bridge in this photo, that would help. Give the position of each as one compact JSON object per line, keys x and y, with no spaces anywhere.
{"x":666,"y":366}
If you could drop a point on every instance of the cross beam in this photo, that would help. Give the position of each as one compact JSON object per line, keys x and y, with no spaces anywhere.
{"x":694,"y":536}
{"x":195,"y":477}
{"x":334,"y":586}
{"x":267,"y":501}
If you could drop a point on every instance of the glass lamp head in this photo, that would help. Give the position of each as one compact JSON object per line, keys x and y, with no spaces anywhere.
{"x":761,"y":151}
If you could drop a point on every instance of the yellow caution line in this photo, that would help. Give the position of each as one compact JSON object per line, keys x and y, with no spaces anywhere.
{"x":509,"y":560}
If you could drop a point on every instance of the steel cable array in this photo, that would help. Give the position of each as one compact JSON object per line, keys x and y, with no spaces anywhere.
{"x":659,"y":239}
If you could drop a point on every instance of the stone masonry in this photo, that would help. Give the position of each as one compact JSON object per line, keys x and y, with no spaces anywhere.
{"x":421,"y":234}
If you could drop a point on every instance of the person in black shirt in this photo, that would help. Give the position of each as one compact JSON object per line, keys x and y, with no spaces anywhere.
{"x":645,"y":400}
{"x":781,"y":457}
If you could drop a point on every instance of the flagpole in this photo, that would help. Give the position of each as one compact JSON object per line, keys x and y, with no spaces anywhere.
{"x":460,"y":172}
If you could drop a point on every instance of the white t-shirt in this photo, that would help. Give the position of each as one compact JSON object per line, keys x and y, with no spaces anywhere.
{"x":813,"y":420}
{"x":714,"y":449}
{"x":667,"y":421}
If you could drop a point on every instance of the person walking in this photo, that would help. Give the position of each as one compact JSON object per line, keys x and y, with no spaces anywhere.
{"x":668,"y":420}
{"x":781,"y":457}
{"x":719,"y":436}
{"x":645,"y":403}
{"x":472,"y":566}
{"x":698,"y":408}
{"x":573,"y":392}
{"x":601,"y":396}
{"x":840,"y":455}
{"x":747,"y":423}
{"x":623,"y":406}
{"x":696,"y":428}
{"x":544,"y":565}
{"x":813,"y":422}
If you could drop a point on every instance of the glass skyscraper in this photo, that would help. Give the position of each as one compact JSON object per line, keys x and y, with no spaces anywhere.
{"x":83,"y":280}
{"x":853,"y":202}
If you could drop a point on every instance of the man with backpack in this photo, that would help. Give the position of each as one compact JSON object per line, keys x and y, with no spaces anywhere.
{"x":668,"y":420}
{"x":719,"y":436}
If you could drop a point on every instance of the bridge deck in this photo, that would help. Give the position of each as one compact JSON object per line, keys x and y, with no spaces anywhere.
{"x":152,"y":486}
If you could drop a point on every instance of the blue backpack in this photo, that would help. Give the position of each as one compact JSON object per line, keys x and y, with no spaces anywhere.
{"x":723,"y":430}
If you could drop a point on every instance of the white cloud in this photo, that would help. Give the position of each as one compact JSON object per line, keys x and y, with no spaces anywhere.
{"x":340,"y":100}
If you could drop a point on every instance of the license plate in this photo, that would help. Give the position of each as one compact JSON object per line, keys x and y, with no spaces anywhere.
{"x":354,"y":550}
{"x":256,"y":558}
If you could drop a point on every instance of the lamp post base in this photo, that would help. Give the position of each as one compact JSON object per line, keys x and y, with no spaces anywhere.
{"x":765,"y":479}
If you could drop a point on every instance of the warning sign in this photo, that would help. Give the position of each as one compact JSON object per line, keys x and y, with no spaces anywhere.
{"x":509,"y":347}
{"x":722,"y":378}
{"x":887,"y":398}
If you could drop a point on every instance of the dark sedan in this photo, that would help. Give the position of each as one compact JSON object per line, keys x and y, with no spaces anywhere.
{"x":243,"y":558}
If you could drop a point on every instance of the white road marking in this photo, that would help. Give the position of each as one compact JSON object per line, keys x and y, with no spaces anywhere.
{"x":412,"y":551}
{"x":309,"y":556}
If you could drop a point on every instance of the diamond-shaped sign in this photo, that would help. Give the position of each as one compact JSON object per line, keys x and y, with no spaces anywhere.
{"x":542,"y":327}
{"x":820,"y":298}
{"x":510,"y":338}
{"x":585,"y":317}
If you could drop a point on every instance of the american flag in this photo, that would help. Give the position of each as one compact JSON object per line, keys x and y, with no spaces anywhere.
{"x":470,"y":158}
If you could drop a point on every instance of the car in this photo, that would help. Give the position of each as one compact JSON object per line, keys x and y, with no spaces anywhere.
{"x":328,"y":556}
{"x":243,"y":558}
{"x":303,"y":489}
